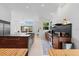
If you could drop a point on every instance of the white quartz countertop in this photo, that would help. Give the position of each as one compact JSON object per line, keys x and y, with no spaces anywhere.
{"x":20,"y":35}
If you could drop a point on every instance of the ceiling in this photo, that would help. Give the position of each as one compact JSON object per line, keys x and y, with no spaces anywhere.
{"x":38,"y":8}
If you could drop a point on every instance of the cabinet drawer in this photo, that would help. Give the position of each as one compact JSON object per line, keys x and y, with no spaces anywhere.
{"x":65,"y":39}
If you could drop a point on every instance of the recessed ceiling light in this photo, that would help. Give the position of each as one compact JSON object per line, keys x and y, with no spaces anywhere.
{"x":42,"y":5}
{"x":27,"y":6}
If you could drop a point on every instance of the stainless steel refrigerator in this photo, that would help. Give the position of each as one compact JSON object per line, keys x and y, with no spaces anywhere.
{"x":4,"y":28}
{"x":1,"y":29}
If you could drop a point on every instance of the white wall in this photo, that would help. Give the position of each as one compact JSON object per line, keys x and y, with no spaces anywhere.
{"x":42,"y":20}
{"x":18,"y":17}
{"x":21,"y":16}
{"x":5,"y":13}
{"x":71,"y":11}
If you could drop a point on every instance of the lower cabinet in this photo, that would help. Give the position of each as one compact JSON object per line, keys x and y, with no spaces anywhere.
{"x":56,"y":44}
{"x":13,"y":42}
{"x":57,"y":41}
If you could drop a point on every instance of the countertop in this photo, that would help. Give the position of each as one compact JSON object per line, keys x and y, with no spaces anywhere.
{"x":63,"y":52}
{"x":28,"y":35}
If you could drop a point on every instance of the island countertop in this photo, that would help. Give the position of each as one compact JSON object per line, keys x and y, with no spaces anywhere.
{"x":17,"y":35}
{"x":14,"y":36}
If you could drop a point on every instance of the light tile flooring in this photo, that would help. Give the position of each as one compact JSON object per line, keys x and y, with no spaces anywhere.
{"x":36,"y":49}
{"x":39,"y":48}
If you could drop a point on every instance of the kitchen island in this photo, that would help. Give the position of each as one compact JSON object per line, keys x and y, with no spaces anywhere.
{"x":14,"y":41}
{"x":17,"y":42}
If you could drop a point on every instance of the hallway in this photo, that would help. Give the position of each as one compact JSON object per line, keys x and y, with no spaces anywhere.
{"x":40,"y":47}
{"x":36,"y":49}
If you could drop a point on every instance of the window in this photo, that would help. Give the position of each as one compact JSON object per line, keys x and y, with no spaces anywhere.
{"x":46,"y":26}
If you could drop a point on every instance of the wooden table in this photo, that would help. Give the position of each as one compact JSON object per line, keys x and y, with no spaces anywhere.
{"x":13,"y":51}
{"x":63,"y":52}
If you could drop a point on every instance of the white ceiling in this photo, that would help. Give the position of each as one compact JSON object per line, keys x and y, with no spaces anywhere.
{"x":45,"y":9}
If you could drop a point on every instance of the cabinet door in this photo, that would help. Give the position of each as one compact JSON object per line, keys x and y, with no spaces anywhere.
{"x":1,"y":29}
{"x":22,"y":42}
{"x":55,"y":42}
